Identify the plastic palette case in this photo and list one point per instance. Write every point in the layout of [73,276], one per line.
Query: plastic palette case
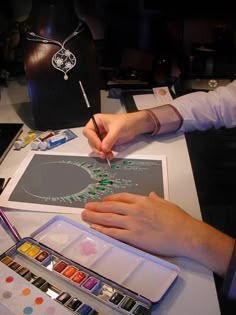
[87,272]
[136,270]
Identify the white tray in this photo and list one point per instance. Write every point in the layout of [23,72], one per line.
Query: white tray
[143,273]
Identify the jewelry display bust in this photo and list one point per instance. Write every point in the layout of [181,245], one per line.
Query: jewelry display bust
[60,52]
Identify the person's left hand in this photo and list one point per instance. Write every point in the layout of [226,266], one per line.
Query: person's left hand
[147,222]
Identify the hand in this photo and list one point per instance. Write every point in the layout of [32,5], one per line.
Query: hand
[147,222]
[115,129]
[160,227]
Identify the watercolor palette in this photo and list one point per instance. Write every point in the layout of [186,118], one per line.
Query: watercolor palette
[78,289]
[115,260]
[78,270]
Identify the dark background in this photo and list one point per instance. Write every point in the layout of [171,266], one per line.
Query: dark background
[139,39]
[157,44]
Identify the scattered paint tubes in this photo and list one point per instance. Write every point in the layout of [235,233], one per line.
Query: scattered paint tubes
[61,138]
[23,141]
[37,143]
[45,135]
[38,139]
[52,140]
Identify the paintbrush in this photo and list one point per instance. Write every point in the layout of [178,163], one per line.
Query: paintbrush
[92,116]
[10,227]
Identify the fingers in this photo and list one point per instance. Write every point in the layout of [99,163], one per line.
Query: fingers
[112,211]
[100,148]
[96,150]
[121,204]
[109,155]
[109,141]
[154,196]
[119,234]
[107,207]
[93,140]
[104,219]
[124,198]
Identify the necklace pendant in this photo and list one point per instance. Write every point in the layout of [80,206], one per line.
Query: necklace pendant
[64,60]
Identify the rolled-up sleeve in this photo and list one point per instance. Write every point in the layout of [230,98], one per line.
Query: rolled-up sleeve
[204,110]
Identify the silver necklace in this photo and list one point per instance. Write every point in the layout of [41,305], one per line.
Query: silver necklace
[63,60]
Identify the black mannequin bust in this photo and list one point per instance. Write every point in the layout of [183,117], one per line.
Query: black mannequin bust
[56,59]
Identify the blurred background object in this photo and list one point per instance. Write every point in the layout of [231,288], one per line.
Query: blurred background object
[13,26]
[60,52]
[182,43]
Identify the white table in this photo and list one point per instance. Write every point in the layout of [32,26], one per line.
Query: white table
[194,290]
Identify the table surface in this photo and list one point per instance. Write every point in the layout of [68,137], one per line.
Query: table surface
[194,290]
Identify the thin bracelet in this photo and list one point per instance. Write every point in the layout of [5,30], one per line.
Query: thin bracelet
[156,122]
[230,277]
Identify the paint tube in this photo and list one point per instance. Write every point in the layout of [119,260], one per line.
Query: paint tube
[23,141]
[57,140]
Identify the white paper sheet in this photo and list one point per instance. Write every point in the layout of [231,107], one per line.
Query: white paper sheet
[160,96]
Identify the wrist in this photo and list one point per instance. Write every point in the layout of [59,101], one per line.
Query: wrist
[142,122]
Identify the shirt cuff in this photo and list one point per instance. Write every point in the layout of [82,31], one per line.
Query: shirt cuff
[166,119]
[229,285]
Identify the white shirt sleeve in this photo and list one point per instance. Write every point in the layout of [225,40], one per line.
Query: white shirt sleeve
[204,110]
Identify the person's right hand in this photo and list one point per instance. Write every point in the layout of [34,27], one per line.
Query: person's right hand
[115,129]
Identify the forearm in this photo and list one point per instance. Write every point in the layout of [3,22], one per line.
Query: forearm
[211,247]
[217,251]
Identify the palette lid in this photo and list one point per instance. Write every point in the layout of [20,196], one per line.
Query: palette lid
[143,273]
